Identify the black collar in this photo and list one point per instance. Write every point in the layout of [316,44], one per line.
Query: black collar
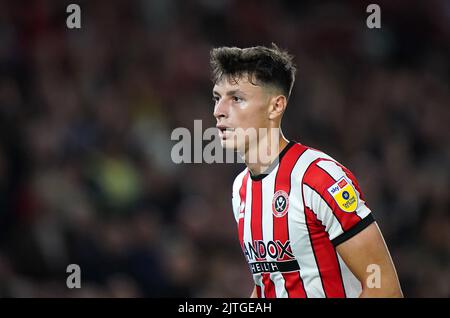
[273,164]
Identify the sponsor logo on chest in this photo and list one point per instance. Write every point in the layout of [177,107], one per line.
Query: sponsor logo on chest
[274,249]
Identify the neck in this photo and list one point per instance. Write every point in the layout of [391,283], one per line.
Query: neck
[261,154]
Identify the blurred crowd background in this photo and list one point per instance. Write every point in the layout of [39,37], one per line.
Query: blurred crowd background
[86,117]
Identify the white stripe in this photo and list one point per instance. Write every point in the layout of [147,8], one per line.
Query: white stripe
[332,169]
[336,172]
[248,214]
[267,216]
[298,232]
[278,280]
[268,187]
[322,211]
[248,231]
[236,198]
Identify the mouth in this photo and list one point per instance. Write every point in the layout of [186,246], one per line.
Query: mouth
[224,130]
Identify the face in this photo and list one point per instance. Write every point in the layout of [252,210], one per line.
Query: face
[239,107]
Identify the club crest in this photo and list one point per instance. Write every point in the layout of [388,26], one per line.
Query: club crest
[280,203]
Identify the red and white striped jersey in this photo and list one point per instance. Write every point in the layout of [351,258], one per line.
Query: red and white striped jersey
[291,219]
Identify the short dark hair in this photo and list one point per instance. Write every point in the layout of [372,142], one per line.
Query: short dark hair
[270,66]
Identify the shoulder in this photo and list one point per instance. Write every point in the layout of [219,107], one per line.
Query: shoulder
[325,174]
[315,167]
[307,159]
[239,180]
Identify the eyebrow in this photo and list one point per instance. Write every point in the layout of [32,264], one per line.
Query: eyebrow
[231,93]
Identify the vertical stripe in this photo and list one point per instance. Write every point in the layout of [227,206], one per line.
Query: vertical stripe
[294,284]
[258,291]
[256,222]
[248,233]
[268,184]
[269,286]
[298,231]
[241,209]
[279,282]
[321,245]
[325,255]
[292,281]
[257,235]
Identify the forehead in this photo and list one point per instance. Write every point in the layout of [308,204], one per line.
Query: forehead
[227,83]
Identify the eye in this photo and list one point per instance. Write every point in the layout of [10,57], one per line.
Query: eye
[215,99]
[237,99]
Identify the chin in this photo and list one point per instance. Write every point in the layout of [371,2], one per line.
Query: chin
[229,144]
[233,144]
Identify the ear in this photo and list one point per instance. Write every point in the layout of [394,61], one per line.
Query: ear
[277,106]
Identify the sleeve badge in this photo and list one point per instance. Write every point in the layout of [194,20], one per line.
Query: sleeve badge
[344,194]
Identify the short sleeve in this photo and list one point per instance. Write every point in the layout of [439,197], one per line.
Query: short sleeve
[332,193]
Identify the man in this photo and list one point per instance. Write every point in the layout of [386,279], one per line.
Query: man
[303,224]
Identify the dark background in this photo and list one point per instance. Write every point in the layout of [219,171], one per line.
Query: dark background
[86,117]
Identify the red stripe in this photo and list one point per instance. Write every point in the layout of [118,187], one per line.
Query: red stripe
[283,182]
[256,227]
[294,285]
[269,286]
[243,196]
[319,180]
[256,221]
[350,175]
[258,291]
[325,255]
[293,282]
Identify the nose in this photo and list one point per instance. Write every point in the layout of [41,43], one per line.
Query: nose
[220,109]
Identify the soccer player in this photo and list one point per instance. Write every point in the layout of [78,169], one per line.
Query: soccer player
[304,226]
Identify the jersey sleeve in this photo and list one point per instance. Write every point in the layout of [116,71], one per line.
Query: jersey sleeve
[332,193]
